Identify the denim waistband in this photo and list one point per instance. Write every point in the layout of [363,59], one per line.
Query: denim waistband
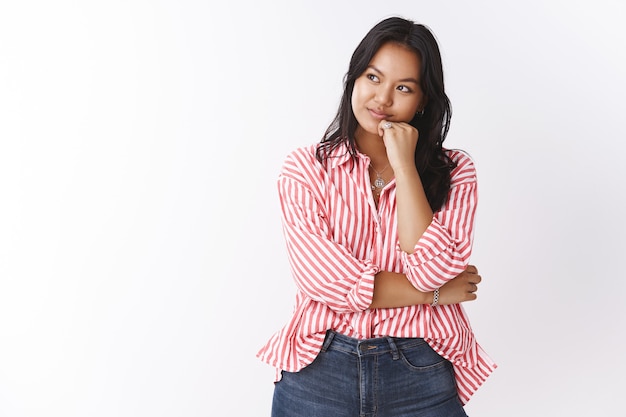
[363,347]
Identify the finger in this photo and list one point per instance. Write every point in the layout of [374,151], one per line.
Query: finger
[384,125]
[471,269]
[475,279]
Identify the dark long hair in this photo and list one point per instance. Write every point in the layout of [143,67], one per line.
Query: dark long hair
[433,165]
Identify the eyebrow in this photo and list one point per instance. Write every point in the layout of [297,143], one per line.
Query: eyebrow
[404,80]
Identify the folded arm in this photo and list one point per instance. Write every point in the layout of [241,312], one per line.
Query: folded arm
[395,290]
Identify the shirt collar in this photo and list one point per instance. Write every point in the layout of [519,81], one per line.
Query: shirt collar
[341,155]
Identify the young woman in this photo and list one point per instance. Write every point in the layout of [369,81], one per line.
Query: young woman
[378,220]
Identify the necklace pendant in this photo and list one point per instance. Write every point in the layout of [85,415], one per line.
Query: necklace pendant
[379,182]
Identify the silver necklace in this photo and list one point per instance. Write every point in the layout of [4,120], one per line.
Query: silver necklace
[379,182]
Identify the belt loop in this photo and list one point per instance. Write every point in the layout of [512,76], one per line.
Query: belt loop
[329,339]
[394,349]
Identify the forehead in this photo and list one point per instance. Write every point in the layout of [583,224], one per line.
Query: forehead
[396,59]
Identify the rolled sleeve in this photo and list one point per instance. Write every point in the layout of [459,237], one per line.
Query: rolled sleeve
[323,270]
[444,250]
[360,297]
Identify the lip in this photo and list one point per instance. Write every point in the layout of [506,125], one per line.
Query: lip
[377,115]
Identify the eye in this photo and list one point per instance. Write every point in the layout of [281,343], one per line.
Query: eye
[404,89]
[372,77]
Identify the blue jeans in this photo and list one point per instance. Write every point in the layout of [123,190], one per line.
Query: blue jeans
[383,377]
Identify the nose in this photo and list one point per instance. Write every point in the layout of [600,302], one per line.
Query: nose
[383,96]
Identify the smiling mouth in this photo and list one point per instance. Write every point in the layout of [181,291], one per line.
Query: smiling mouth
[378,115]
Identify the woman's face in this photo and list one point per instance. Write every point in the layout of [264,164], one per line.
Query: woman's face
[388,89]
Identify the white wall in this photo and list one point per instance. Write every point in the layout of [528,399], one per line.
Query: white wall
[141,258]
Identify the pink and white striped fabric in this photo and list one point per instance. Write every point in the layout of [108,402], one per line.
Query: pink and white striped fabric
[337,240]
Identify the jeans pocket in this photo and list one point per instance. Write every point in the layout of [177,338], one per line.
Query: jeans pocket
[422,358]
[423,377]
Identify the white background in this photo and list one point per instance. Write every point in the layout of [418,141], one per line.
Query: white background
[141,258]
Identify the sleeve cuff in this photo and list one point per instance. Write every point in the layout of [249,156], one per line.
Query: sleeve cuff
[360,298]
[435,240]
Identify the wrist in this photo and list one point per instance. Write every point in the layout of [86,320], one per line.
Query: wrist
[405,172]
[435,299]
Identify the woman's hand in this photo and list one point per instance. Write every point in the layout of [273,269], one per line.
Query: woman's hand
[400,141]
[462,288]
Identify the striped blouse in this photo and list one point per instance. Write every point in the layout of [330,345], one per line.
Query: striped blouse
[337,240]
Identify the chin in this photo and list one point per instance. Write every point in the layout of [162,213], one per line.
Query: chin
[368,127]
